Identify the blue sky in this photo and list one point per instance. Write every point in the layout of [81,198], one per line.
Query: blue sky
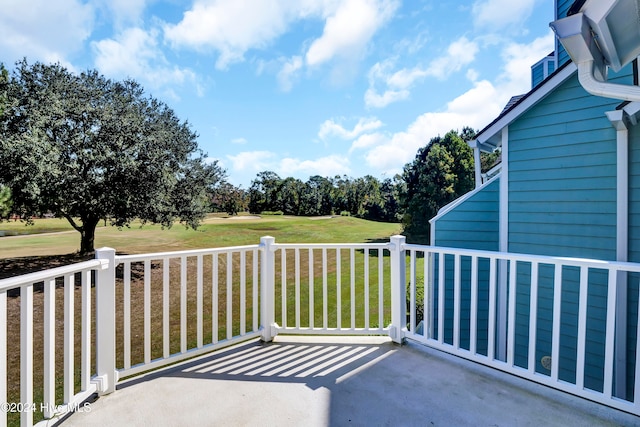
[299,87]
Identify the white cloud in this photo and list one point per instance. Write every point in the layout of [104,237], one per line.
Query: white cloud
[324,166]
[230,27]
[499,14]
[368,140]
[476,108]
[397,84]
[252,161]
[135,53]
[125,12]
[459,53]
[332,128]
[257,161]
[349,29]
[44,30]
[288,73]
[239,141]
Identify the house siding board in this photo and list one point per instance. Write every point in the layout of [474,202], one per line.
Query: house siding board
[537,74]
[473,224]
[562,202]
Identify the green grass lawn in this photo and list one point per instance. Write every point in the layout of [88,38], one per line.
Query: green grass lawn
[214,232]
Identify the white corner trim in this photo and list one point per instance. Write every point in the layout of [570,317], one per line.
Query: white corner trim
[504,192]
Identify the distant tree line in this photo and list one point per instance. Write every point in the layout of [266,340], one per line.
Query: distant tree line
[441,171]
[365,197]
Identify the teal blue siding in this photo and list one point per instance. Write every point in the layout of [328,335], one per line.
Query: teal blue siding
[552,67]
[537,74]
[562,202]
[562,7]
[562,176]
[473,224]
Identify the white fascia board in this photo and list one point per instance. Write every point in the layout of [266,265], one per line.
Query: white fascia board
[495,129]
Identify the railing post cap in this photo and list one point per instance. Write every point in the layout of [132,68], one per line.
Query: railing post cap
[105,252]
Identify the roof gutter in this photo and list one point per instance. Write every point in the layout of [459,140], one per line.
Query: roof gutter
[593,39]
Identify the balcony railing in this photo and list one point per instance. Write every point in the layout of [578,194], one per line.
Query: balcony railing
[567,323]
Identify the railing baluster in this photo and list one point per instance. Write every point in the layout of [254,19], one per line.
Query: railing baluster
[353,287]
[610,332]
[199,303]
[491,339]
[441,286]
[229,295]
[214,299]
[582,326]
[338,289]
[49,396]
[243,292]
[457,284]
[381,289]
[283,278]
[473,323]
[311,299]
[127,314]
[183,304]
[511,325]
[147,311]
[166,337]
[3,355]
[325,314]
[533,317]
[412,291]
[366,288]
[297,290]
[427,310]
[557,306]
[26,351]
[255,290]
[69,327]
[85,366]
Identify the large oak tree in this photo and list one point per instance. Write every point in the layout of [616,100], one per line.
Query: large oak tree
[88,149]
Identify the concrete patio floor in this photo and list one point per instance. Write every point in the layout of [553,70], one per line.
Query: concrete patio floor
[338,381]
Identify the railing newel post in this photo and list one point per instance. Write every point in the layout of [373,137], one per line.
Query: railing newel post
[106,375]
[267,279]
[398,325]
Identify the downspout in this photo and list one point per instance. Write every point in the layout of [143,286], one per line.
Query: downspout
[590,83]
[617,119]
[581,43]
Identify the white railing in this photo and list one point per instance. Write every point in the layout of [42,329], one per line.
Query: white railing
[555,321]
[178,284]
[351,295]
[77,386]
[561,322]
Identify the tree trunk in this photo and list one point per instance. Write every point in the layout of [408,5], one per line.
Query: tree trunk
[87,236]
